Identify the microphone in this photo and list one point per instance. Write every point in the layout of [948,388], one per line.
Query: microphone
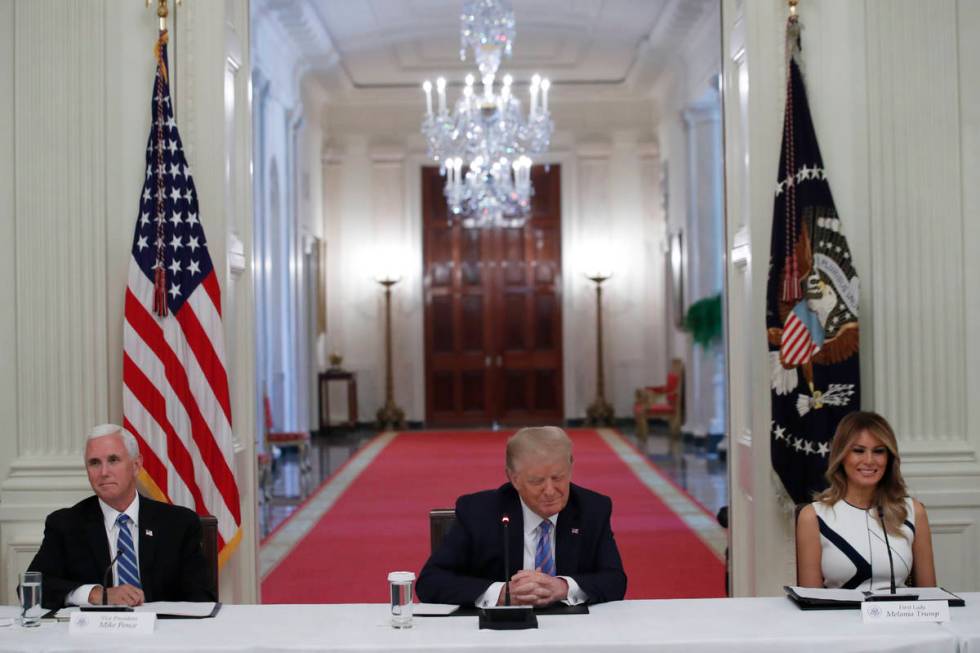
[506,616]
[105,607]
[893,595]
[106,576]
[505,520]
[891,563]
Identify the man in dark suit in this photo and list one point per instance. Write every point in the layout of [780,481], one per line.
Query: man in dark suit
[560,542]
[156,546]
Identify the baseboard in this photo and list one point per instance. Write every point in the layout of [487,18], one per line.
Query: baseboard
[580,422]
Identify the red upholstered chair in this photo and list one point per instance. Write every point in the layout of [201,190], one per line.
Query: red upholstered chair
[298,439]
[664,402]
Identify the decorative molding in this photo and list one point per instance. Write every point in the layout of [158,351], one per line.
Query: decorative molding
[183,89]
[288,39]
[17,555]
[913,455]
[916,193]
[948,498]
[386,154]
[593,150]
[950,526]
[60,214]
[649,150]
[237,263]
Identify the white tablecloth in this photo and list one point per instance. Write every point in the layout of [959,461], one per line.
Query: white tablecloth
[965,623]
[686,626]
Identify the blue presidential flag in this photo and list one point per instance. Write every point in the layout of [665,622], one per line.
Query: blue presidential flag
[811,303]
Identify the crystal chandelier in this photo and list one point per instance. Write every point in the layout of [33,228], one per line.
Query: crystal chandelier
[485,144]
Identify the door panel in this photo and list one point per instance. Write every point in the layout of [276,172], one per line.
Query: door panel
[493,313]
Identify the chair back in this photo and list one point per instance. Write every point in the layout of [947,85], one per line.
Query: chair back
[675,383]
[209,547]
[440,521]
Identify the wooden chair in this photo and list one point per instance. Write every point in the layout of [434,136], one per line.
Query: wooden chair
[263,461]
[209,547]
[662,401]
[300,440]
[440,521]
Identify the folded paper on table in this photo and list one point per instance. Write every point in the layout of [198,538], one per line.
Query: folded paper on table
[163,610]
[818,598]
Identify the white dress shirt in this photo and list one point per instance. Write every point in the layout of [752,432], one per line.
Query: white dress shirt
[79,596]
[532,523]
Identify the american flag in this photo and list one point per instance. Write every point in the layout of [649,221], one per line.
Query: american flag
[175,387]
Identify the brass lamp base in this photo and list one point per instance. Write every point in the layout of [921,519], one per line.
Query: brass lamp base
[390,416]
[599,412]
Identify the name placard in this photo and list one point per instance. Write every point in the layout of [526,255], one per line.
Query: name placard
[904,611]
[112,623]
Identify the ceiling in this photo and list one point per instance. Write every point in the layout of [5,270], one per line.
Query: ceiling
[369,46]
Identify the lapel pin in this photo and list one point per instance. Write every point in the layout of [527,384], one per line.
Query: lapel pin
[574,531]
[148,532]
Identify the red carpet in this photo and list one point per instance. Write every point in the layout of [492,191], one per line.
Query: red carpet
[381,523]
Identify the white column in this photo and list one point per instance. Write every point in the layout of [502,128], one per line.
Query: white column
[705,389]
[586,238]
[653,314]
[397,237]
[353,295]
[634,234]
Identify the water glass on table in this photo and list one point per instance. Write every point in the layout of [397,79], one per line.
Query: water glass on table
[400,587]
[29,591]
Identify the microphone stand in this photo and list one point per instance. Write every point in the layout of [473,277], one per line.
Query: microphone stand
[507,616]
[505,520]
[105,607]
[893,595]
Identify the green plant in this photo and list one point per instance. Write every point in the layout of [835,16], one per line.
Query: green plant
[703,320]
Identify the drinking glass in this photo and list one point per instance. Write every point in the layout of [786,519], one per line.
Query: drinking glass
[30,599]
[400,586]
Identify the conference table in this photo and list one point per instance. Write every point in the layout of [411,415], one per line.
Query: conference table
[688,626]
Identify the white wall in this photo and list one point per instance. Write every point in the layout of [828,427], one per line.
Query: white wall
[894,89]
[75,80]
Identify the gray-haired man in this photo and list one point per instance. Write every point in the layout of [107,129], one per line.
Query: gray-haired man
[156,547]
[561,546]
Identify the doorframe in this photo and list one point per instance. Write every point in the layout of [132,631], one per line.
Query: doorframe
[567,158]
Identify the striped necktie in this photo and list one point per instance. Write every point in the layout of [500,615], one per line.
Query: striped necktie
[127,567]
[544,559]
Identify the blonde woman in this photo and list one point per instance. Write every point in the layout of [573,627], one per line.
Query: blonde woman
[840,539]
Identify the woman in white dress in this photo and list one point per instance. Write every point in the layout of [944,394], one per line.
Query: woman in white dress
[840,542]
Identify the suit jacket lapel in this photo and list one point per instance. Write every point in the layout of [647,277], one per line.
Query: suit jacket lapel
[97,539]
[147,546]
[567,538]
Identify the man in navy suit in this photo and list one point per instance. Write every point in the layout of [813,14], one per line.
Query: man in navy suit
[560,542]
[159,553]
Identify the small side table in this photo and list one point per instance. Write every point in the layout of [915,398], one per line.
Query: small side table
[337,374]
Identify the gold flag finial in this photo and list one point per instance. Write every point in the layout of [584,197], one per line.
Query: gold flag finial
[162,11]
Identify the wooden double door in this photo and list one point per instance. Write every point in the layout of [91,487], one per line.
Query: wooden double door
[493,336]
